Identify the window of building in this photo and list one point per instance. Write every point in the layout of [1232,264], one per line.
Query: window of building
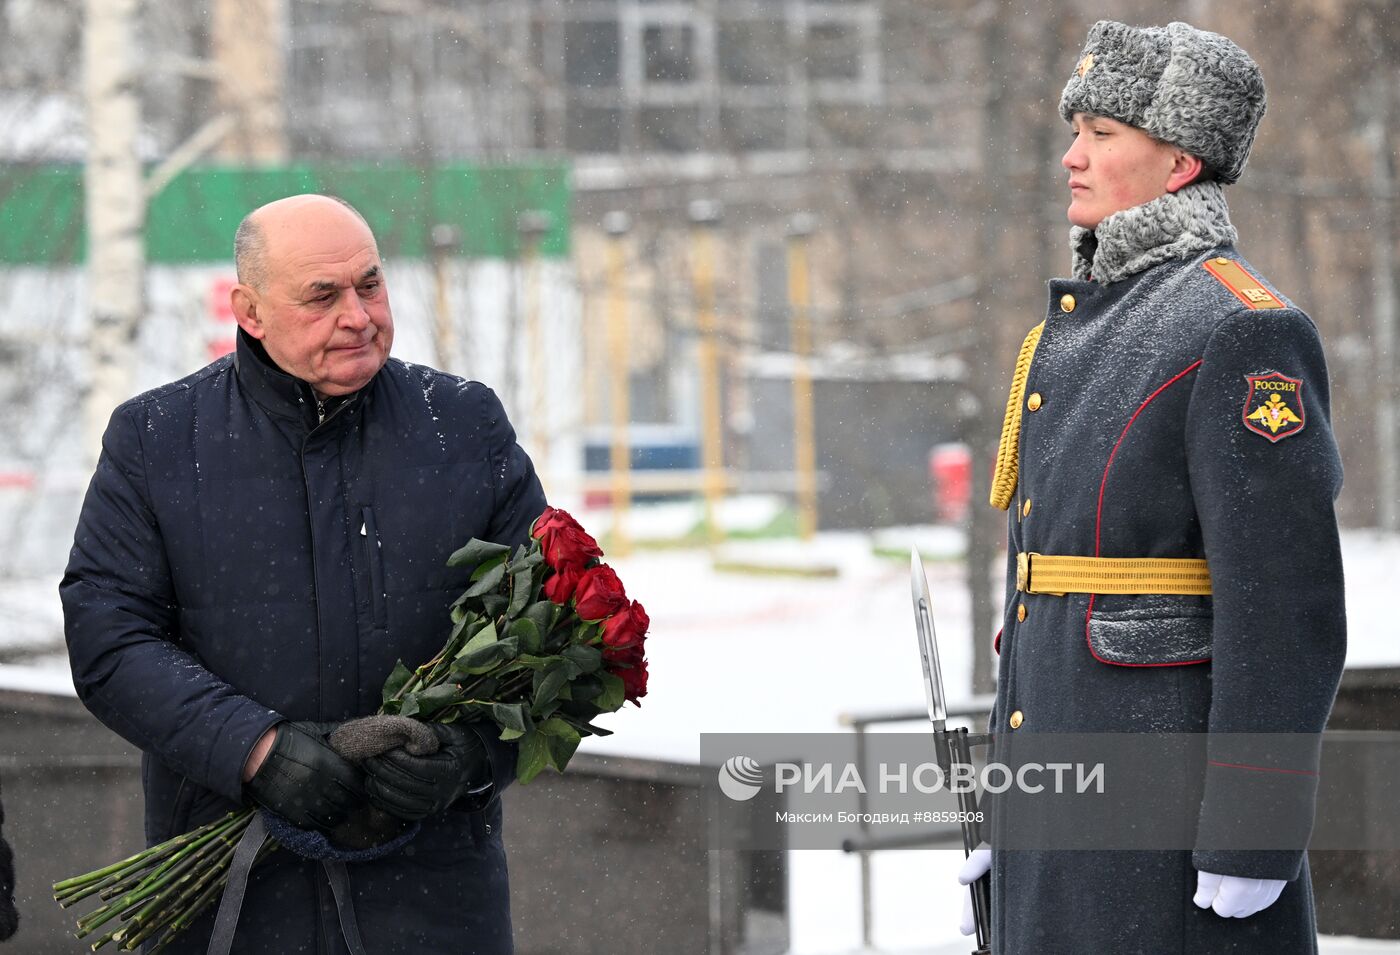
[668,53]
[592,54]
[752,52]
[833,51]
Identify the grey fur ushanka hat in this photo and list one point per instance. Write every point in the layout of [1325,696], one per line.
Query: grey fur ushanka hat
[1184,86]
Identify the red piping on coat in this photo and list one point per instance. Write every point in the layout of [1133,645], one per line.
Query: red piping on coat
[1098,522]
[1262,769]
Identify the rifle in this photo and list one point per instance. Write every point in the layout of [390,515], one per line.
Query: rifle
[951,746]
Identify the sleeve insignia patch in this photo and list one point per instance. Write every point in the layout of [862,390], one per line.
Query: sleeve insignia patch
[1274,405]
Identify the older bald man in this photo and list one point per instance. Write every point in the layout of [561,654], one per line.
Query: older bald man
[261,541]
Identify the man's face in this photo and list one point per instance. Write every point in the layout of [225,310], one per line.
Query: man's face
[1113,166]
[323,315]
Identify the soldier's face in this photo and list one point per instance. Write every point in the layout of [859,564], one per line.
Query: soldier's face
[1113,166]
[323,315]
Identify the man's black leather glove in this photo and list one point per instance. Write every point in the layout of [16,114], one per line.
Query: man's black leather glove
[306,782]
[415,787]
[9,918]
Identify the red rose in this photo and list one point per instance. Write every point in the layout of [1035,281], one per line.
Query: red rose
[627,627]
[634,682]
[630,664]
[564,541]
[599,594]
[560,585]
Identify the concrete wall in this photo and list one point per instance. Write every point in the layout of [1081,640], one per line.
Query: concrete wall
[610,857]
[1355,891]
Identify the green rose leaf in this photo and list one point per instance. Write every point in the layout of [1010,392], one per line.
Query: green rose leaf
[522,592]
[475,553]
[585,688]
[543,614]
[509,734]
[487,657]
[484,637]
[410,705]
[614,693]
[587,659]
[561,750]
[489,580]
[534,757]
[511,716]
[548,683]
[534,662]
[465,622]
[397,678]
[494,605]
[560,728]
[435,698]
[527,633]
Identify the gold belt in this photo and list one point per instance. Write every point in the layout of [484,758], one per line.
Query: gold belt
[1050,574]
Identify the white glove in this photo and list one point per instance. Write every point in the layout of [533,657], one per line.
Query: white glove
[1234,897]
[973,868]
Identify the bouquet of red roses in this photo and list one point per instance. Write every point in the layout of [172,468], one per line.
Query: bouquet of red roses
[542,642]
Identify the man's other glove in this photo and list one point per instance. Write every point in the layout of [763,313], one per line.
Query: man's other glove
[304,781]
[1234,897]
[976,865]
[415,787]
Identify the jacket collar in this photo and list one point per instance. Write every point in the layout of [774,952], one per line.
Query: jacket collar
[1178,225]
[279,393]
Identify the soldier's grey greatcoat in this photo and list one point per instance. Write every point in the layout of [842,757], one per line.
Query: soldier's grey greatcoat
[1141,445]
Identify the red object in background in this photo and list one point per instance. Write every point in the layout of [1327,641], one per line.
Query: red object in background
[220,310]
[218,348]
[220,303]
[950,472]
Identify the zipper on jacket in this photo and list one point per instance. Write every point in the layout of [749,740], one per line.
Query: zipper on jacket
[374,555]
[170,830]
[315,584]
[311,537]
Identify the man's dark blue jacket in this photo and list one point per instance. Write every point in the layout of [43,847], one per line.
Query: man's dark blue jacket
[9,918]
[239,561]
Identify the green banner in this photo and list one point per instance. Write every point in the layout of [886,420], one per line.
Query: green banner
[194,218]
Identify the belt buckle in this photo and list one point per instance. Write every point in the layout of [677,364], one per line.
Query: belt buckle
[1023,572]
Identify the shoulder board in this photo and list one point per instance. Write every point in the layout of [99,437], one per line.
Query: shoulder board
[1246,287]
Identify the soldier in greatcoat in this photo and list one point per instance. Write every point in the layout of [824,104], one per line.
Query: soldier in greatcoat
[1170,472]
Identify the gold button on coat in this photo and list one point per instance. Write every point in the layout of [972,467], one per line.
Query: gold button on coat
[1066,303]
[1026,508]
[1021,613]
[1016,720]
[1033,402]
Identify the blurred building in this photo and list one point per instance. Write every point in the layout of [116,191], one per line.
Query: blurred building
[923,136]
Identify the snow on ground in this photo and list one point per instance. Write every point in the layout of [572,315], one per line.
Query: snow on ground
[767,653]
